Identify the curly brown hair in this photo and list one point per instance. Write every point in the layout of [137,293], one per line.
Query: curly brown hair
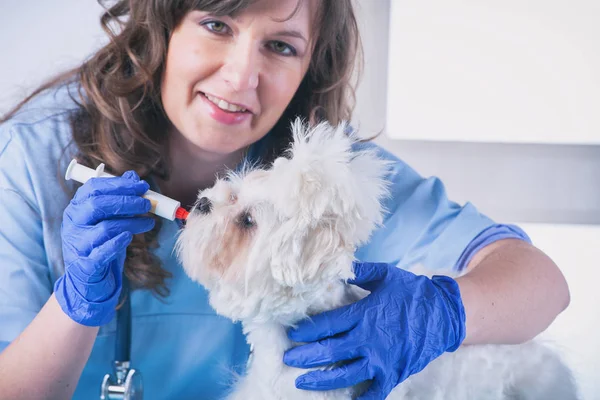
[121,121]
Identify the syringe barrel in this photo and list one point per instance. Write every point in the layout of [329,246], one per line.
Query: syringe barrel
[162,206]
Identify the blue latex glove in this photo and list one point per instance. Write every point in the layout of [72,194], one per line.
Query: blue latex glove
[98,225]
[401,326]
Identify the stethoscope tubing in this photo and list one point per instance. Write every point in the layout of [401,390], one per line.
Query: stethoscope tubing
[123,334]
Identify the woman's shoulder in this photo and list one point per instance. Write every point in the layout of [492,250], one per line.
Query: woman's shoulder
[45,117]
[36,144]
[40,129]
[54,101]
[397,168]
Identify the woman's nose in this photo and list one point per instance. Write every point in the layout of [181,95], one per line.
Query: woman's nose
[242,67]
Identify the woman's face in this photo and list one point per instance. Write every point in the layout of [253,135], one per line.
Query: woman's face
[228,80]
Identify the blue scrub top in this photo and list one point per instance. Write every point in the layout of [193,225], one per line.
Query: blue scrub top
[182,348]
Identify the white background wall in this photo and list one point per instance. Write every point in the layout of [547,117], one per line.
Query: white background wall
[510,182]
[495,71]
[41,38]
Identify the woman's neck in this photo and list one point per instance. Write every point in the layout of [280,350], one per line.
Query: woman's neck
[193,169]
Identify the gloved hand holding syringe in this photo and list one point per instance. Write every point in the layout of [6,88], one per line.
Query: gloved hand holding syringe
[162,206]
[98,225]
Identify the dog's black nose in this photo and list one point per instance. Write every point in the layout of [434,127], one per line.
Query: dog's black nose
[204,205]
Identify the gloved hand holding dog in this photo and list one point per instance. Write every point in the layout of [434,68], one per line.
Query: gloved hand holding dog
[98,225]
[401,326]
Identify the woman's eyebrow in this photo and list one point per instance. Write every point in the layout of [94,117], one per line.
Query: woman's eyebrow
[292,33]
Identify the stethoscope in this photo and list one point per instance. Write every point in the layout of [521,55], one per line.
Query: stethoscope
[124,383]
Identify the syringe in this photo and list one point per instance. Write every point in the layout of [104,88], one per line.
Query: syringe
[162,206]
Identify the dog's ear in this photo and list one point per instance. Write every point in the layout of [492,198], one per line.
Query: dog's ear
[329,175]
[319,253]
[329,181]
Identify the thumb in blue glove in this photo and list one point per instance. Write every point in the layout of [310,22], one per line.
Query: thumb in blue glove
[401,326]
[98,225]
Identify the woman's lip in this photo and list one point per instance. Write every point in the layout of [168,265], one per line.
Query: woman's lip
[248,109]
[222,116]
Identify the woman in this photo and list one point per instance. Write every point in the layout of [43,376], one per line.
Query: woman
[184,90]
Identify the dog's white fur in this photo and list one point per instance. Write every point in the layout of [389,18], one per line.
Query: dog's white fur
[277,247]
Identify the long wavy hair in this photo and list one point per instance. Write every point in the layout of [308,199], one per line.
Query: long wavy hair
[121,121]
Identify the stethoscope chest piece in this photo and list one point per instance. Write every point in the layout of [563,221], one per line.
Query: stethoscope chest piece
[126,386]
[126,382]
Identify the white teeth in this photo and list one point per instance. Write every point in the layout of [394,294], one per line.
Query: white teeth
[223,105]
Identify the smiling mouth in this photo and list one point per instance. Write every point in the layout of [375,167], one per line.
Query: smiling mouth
[223,105]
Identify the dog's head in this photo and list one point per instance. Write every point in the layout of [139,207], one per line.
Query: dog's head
[261,240]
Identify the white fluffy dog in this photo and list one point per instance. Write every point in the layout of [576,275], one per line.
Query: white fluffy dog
[275,246]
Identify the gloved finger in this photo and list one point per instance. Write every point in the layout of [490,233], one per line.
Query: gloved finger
[120,185]
[81,242]
[94,267]
[131,174]
[341,377]
[113,227]
[368,274]
[97,208]
[322,352]
[375,392]
[326,324]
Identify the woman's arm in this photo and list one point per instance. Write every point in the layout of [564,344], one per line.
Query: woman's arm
[511,292]
[46,360]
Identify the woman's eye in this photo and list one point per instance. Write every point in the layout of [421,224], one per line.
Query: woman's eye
[216,26]
[282,48]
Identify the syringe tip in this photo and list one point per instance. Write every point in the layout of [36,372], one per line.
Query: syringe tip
[181,213]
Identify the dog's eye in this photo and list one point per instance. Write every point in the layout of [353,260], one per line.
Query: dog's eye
[246,221]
